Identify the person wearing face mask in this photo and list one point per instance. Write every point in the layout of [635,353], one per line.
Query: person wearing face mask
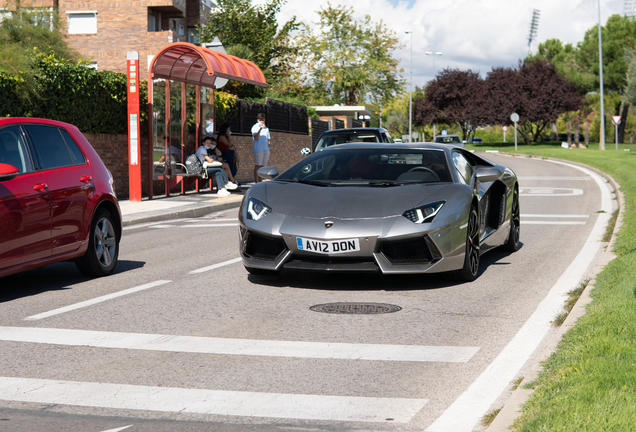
[223,184]
[227,149]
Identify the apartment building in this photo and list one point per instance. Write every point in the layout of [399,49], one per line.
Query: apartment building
[103,31]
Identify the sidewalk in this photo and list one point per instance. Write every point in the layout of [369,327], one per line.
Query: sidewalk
[190,205]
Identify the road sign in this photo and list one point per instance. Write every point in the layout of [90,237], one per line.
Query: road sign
[444,132]
[415,135]
[616,120]
[514,117]
[505,128]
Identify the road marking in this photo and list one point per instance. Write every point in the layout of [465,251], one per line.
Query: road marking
[554,216]
[463,414]
[527,222]
[554,178]
[163,226]
[216,402]
[211,220]
[118,429]
[215,266]
[95,301]
[210,225]
[249,347]
[551,192]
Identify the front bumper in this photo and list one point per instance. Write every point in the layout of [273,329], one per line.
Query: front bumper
[413,253]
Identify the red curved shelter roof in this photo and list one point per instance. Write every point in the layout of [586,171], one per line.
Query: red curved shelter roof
[185,62]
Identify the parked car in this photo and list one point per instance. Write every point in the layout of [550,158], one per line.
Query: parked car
[57,201]
[345,136]
[450,139]
[476,140]
[563,137]
[378,208]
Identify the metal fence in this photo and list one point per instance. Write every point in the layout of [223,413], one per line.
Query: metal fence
[356,123]
[281,117]
[317,128]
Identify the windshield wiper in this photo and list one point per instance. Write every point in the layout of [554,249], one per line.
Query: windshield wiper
[309,182]
[385,183]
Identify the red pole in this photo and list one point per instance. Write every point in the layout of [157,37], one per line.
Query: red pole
[168,134]
[134,153]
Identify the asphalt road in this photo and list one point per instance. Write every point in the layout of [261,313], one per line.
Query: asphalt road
[181,338]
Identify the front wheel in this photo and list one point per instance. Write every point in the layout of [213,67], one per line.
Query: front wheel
[515,225]
[100,258]
[469,272]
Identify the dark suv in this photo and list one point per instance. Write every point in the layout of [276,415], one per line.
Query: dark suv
[344,136]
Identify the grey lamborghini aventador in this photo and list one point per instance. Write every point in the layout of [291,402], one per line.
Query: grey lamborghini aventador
[389,208]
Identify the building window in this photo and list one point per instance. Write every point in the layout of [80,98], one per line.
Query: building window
[154,20]
[181,30]
[82,22]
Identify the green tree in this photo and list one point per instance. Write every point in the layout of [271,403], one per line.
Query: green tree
[347,60]
[255,28]
[25,33]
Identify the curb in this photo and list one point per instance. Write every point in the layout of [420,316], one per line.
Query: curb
[512,408]
[193,211]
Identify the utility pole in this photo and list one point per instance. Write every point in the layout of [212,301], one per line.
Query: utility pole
[600,65]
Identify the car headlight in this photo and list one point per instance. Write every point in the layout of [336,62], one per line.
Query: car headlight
[424,214]
[257,209]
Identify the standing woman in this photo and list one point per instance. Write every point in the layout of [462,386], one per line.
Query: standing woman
[227,149]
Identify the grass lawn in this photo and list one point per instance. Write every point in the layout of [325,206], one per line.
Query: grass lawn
[589,383]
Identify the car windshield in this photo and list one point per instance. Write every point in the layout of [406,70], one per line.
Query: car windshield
[370,168]
[346,137]
[448,139]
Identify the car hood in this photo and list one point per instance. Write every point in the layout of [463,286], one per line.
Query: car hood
[308,201]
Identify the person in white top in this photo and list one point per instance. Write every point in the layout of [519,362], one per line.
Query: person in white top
[262,141]
[223,184]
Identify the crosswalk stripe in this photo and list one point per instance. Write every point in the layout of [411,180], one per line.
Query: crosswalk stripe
[527,222]
[216,402]
[554,216]
[249,347]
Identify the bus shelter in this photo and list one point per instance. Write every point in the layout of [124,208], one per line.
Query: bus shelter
[181,82]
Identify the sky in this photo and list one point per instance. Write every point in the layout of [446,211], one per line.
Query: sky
[470,34]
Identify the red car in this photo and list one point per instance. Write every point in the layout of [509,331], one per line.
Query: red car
[57,201]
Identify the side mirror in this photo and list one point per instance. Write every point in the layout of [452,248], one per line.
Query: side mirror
[306,151]
[8,172]
[267,173]
[488,174]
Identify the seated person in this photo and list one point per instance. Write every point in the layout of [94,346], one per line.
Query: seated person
[222,182]
[214,151]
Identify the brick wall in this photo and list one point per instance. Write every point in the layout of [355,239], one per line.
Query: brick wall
[113,150]
[123,27]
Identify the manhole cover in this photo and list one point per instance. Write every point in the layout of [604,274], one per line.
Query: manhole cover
[356,308]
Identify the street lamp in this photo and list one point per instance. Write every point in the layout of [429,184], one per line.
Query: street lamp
[433,54]
[411,90]
[600,65]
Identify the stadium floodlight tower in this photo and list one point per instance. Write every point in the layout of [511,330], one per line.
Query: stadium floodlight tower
[534,27]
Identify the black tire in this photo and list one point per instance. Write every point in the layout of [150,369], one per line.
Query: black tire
[469,272]
[515,225]
[101,256]
[261,272]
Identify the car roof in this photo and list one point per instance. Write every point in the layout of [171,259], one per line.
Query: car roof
[394,146]
[354,130]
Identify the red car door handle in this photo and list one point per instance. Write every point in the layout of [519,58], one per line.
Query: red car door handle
[41,187]
[86,179]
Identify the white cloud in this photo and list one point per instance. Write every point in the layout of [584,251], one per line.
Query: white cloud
[471,34]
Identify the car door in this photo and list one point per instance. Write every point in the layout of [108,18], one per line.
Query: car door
[25,204]
[69,178]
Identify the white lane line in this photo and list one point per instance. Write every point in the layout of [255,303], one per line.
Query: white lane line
[95,301]
[554,216]
[207,220]
[163,226]
[527,222]
[215,266]
[249,347]
[118,429]
[550,192]
[216,402]
[210,225]
[553,178]
[473,404]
